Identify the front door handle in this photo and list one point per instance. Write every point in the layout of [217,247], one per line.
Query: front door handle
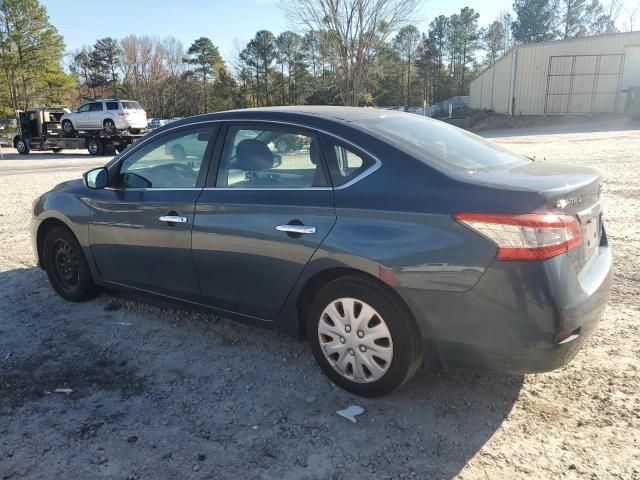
[297,229]
[173,219]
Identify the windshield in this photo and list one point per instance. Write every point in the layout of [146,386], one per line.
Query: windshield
[131,106]
[435,142]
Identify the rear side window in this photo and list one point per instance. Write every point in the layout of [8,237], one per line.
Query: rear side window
[435,142]
[95,107]
[345,164]
[131,106]
[112,105]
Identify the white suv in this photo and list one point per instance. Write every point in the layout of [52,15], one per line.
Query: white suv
[109,115]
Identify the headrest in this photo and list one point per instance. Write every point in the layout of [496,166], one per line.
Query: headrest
[253,155]
[314,152]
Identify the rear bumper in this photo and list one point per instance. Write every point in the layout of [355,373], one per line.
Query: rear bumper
[511,319]
[123,123]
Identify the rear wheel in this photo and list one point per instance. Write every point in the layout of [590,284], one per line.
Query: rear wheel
[67,127]
[109,127]
[363,337]
[56,150]
[67,267]
[95,146]
[22,146]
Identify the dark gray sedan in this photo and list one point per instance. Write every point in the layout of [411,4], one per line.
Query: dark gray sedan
[386,239]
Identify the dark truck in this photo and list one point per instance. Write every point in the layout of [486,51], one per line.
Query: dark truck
[40,129]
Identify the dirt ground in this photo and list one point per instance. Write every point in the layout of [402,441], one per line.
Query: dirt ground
[160,393]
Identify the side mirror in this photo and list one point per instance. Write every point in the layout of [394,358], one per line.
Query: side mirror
[96,178]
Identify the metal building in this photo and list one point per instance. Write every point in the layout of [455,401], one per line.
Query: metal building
[581,75]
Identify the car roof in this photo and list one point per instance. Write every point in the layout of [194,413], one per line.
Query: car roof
[345,114]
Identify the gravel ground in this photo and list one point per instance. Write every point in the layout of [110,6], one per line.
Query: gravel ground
[160,393]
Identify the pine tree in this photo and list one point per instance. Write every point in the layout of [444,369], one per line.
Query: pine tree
[205,56]
[30,54]
[534,21]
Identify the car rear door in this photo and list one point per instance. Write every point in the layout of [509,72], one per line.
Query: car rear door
[261,217]
[140,229]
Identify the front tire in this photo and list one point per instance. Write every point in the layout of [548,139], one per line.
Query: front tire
[67,267]
[363,337]
[22,146]
[56,150]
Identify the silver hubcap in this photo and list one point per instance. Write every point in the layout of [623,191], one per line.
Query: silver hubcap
[355,340]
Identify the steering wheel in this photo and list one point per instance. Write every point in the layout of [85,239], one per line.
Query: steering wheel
[183,169]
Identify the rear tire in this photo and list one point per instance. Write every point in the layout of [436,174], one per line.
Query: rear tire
[67,267]
[56,150]
[67,127]
[390,330]
[109,127]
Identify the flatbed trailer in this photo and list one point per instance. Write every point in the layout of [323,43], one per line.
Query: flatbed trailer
[40,129]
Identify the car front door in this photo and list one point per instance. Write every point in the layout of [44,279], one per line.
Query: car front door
[261,218]
[79,118]
[140,229]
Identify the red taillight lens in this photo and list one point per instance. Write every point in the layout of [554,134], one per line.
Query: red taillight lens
[124,113]
[530,236]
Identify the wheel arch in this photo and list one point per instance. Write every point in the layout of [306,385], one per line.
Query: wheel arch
[318,280]
[44,228]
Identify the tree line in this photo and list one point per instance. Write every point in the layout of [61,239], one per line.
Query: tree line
[350,52]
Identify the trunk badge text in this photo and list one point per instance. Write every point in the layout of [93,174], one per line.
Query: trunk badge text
[565,202]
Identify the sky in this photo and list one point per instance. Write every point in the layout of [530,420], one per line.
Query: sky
[228,23]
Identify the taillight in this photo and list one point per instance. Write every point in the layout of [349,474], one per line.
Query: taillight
[124,113]
[529,236]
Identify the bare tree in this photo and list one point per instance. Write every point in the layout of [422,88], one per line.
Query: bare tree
[355,31]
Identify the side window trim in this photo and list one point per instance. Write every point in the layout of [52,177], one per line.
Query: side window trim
[216,160]
[214,126]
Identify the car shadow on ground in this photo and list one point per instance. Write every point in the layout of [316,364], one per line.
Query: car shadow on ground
[255,390]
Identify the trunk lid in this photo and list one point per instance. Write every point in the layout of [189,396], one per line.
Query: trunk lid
[568,189]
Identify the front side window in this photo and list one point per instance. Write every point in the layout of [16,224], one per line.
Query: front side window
[271,158]
[95,107]
[84,108]
[171,161]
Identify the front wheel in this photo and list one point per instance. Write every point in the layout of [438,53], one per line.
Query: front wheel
[67,267]
[22,146]
[56,150]
[363,337]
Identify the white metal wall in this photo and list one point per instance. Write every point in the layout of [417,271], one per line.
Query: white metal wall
[519,81]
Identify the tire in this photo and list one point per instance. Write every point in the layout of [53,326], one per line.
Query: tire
[109,127]
[95,146]
[282,146]
[178,153]
[67,267]
[67,127]
[56,150]
[22,146]
[403,346]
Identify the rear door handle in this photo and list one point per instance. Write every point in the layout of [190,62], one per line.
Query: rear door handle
[299,229]
[173,219]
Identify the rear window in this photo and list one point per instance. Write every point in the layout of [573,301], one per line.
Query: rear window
[435,142]
[131,106]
